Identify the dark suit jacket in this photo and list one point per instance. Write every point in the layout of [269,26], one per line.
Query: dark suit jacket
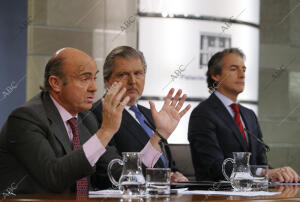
[131,137]
[214,135]
[35,147]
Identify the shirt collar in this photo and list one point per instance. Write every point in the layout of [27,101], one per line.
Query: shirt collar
[127,107]
[65,115]
[225,100]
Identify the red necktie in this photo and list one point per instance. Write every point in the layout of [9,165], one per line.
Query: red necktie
[82,184]
[237,119]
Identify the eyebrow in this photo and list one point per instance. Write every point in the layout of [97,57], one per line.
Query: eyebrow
[237,66]
[88,73]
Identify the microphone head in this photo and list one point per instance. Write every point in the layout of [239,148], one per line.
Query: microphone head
[267,148]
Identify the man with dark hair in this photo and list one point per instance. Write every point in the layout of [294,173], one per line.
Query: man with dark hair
[53,68]
[51,144]
[219,126]
[126,65]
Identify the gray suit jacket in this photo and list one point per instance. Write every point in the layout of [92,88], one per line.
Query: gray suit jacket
[35,148]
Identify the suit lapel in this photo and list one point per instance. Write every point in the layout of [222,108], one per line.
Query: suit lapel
[223,113]
[84,133]
[135,128]
[57,126]
[148,115]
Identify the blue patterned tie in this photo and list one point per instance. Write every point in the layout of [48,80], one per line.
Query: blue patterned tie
[141,118]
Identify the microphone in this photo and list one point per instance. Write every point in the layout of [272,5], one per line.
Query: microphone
[150,124]
[162,143]
[154,130]
[266,147]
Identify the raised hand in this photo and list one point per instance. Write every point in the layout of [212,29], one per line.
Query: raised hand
[113,105]
[167,119]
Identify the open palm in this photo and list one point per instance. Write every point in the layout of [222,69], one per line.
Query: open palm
[167,119]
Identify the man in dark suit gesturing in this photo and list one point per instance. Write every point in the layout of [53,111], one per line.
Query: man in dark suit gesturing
[44,145]
[219,126]
[52,144]
[127,65]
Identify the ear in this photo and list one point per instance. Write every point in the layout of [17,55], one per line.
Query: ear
[107,83]
[56,83]
[216,77]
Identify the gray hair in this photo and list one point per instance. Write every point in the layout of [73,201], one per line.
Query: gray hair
[215,64]
[124,52]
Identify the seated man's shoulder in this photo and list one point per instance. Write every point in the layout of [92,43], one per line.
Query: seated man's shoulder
[29,116]
[32,109]
[203,107]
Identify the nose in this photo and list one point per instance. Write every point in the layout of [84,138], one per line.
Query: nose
[132,79]
[241,73]
[93,86]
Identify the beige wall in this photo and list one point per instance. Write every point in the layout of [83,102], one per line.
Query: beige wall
[279,90]
[93,26]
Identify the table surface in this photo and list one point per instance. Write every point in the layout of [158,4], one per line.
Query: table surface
[289,193]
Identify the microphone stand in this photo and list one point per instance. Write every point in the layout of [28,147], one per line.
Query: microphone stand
[162,143]
[265,146]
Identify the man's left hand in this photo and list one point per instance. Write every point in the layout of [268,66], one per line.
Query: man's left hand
[167,119]
[178,177]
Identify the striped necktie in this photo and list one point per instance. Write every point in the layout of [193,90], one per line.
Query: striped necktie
[82,184]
